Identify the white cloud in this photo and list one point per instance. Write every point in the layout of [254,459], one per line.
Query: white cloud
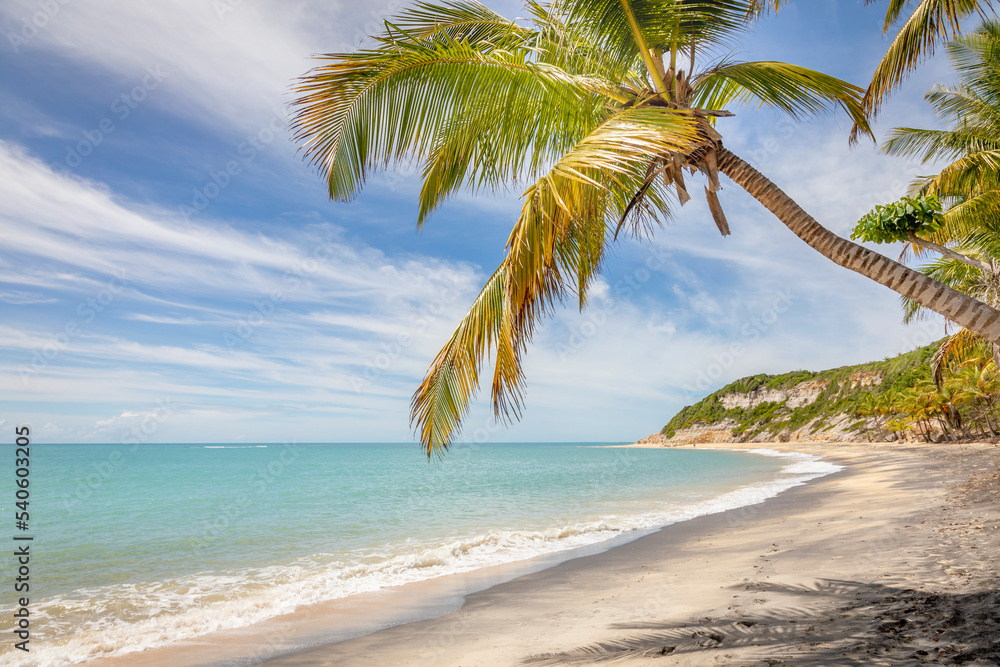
[69,221]
[21,297]
[231,69]
[165,319]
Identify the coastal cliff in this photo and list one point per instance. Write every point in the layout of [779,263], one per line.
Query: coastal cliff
[796,406]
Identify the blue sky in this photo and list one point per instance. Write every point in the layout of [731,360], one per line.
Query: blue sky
[170,271]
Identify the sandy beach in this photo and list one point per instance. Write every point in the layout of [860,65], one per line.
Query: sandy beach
[891,561]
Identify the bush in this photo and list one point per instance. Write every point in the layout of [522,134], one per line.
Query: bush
[896,221]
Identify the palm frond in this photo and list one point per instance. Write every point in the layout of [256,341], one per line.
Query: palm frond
[502,141]
[662,27]
[963,105]
[567,44]
[459,20]
[892,12]
[969,217]
[372,109]
[969,175]
[442,399]
[974,57]
[557,242]
[930,22]
[930,145]
[956,349]
[790,88]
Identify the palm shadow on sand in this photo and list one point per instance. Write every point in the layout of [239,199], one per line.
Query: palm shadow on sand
[834,623]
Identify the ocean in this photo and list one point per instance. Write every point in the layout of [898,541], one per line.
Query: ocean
[140,546]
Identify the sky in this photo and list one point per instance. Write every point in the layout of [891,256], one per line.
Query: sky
[171,270]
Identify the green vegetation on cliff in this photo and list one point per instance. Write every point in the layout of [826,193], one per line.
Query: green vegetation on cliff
[840,392]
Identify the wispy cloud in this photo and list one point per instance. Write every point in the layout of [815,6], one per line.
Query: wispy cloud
[266,302]
[21,298]
[230,69]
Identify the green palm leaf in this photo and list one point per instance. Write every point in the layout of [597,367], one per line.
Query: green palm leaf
[930,22]
[376,108]
[790,88]
[974,221]
[558,239]
[969,175]
[930,145]
[459,20]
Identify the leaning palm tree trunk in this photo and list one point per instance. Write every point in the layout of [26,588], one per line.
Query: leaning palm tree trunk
[957,307]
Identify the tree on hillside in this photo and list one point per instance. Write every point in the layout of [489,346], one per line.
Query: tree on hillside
[976,385]
[871,407]
[599,106]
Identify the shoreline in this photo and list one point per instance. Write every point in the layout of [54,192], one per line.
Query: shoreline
[806,575]
[801,549]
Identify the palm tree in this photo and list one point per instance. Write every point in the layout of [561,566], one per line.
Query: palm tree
[936,402]
[951,417]
[971,109]
[911,406]
[869,406]
[897,411]
[976,383]
[599,106]
[888,402]
[910,409]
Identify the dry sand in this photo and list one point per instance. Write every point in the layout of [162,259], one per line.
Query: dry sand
[892,561]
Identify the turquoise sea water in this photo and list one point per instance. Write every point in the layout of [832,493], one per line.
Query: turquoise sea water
[136,547]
